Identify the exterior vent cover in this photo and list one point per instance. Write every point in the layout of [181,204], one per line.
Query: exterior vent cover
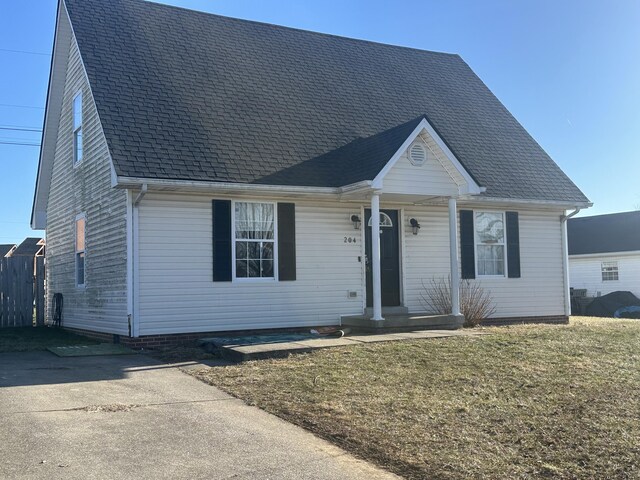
[417,154]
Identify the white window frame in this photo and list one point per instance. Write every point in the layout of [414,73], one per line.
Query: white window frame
[385,221]
[611,264]
[80,216]
[476,242]
[234,240]
[76,161]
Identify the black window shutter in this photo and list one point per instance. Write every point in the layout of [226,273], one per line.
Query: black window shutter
[467,247]
[286,241]
[513,245]
[221,240]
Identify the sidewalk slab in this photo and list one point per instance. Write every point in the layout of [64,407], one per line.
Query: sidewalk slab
[257,347]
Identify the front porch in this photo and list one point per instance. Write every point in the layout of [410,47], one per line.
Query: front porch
[423,171]
[385,305]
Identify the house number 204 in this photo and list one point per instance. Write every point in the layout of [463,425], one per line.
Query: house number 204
[349,239]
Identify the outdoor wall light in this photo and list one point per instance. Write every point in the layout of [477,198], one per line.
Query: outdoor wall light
[415,226]
[356,222]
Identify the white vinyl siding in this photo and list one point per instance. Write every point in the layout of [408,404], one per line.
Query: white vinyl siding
[586,272]
[176,289]
[177,294]
[430,178]
[102,304]
[539,291]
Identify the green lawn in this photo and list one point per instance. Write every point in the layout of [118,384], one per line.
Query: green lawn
[553,401]
[25,339]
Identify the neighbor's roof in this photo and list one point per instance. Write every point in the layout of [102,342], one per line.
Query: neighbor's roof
[616,232]
[6,248]
[29,247]
[193,96]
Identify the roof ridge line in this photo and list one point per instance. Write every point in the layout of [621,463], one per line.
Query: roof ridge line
[297,29]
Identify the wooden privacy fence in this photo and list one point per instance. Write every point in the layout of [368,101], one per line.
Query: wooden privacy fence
[21,291]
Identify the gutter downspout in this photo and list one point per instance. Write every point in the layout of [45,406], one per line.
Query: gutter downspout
[565,259]
[141,194]
[132,259]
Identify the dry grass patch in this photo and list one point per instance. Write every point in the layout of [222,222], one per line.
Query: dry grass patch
[528,401]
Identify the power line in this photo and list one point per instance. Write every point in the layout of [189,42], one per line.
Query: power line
[18,126]
[21,129]
[23,51]
[20,144]
[19,106]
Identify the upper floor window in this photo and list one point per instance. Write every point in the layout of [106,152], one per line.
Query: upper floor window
[609,271]
[77,129]
[254,240]
[490,243]
[80,249]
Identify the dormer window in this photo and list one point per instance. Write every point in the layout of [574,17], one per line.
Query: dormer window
[77,129]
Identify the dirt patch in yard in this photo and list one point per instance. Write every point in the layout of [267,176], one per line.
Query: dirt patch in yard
[525,402]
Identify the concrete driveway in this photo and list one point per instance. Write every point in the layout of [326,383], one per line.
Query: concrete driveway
[132,417]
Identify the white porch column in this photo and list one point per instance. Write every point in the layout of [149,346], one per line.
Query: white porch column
[375,257]
[453,257]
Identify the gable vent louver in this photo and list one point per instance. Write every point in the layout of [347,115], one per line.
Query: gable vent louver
[417,154]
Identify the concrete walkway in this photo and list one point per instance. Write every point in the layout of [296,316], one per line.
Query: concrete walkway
[125,417]
[256,347]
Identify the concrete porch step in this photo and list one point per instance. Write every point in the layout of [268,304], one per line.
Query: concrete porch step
[257,347]
[403,322]
[388,311]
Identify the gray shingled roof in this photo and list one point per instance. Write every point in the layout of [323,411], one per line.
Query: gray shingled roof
[28,248]
[5,248]
[194,96]
[616,232]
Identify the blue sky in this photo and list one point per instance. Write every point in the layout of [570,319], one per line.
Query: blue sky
[568,70]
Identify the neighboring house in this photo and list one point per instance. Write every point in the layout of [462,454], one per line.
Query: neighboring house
[200,173]
[604,253]
[7,249]
[30,247]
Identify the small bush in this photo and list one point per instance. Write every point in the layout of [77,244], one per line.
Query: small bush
[476,303]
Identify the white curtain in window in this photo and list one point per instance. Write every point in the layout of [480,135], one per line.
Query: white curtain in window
[255,232]
[490,259]
[490,246]
[254,220]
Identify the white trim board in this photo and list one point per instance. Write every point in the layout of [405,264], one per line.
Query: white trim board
[631,253]
[472,187]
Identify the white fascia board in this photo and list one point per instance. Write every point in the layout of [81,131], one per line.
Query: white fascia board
[472,187]
[224,187]
[632,253]
[53,107]
[356,187]
[555,204]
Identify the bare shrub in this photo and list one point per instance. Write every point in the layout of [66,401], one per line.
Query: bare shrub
[476,303]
